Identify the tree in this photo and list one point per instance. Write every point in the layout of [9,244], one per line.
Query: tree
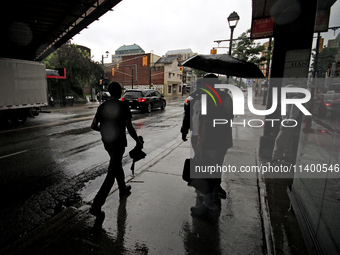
[198,73]
[80,69]
[325,57]
[247,50]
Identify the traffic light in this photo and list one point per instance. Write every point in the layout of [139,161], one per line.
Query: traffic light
[113,72]
[321,44]
[117,63]
[145,60]
[213,51]
[181,69]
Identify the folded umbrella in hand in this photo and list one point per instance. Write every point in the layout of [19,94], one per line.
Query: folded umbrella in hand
[136,154]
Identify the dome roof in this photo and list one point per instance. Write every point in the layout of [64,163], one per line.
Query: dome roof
[129,48]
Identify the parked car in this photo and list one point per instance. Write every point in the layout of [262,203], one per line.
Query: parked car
[326,105]
[146,99]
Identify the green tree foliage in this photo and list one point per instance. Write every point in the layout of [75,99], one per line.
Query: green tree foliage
[325,58]
[80,69]
[247,50]
[198,73]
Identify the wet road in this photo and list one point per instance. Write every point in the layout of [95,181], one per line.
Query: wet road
[49,159]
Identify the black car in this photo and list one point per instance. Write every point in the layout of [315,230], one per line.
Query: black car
[326,105]
[144,99]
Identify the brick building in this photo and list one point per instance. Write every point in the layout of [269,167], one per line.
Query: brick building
[133,68]
[147,71]
[136,71]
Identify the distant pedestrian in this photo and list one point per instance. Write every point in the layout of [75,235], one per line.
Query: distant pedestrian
[112,119]
[100,97]
[282,152]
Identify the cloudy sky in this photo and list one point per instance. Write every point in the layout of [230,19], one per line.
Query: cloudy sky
[158,26]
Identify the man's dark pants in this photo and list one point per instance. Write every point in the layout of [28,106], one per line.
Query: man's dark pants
[115,171]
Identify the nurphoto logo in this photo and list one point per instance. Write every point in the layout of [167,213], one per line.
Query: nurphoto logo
[238,104]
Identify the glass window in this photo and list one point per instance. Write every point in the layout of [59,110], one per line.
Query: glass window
[133,94]
[146,93]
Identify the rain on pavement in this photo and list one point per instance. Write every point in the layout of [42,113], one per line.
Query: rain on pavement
[67,169]
[49,159]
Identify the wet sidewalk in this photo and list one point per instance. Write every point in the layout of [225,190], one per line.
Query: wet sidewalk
[156,219]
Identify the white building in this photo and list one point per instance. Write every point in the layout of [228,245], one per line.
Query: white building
[183,53]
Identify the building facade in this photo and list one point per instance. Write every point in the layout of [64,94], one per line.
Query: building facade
[172,76]
[333,71]
[135,69]
[315,191]
[126,50]
[182,54]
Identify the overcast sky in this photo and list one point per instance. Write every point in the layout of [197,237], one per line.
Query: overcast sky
[158,26]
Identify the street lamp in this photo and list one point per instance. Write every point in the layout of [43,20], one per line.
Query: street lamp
[232,21]
[107,55]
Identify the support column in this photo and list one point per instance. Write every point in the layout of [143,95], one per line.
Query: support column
[293,37]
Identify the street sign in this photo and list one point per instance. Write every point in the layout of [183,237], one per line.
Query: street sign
[262,28]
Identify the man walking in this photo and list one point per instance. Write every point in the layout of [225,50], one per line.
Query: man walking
[111,120]
[210,144]
[282,152]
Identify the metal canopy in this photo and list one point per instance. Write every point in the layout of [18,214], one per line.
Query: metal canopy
[32,29]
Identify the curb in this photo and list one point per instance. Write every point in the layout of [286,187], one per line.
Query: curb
[264,210]
[44,231]
[129,178]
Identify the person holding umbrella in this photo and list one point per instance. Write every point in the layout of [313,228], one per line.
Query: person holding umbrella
[210,144]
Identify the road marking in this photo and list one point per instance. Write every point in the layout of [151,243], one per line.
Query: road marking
[47,124]
[13,154]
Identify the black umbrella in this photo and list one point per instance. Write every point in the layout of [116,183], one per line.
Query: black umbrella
[136,154]
[224,64]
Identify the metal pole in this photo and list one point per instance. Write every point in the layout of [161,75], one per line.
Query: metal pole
[231,39]
[266,87]
[315,74]
[103,75]
[150,77]
[150,65]
[230,45]
[132,77]
[103,66]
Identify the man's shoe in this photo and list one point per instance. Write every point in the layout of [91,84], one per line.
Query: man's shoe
[125,192]
[100,219]
[96,212]
[221,193]
[199,211]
